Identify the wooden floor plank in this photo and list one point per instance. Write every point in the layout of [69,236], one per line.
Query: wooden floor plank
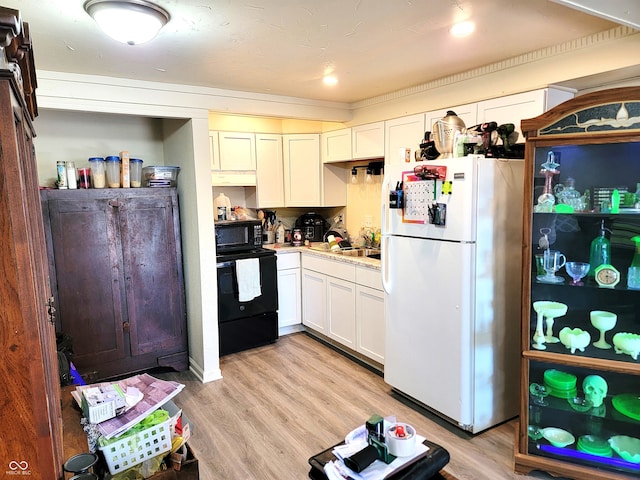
[280,404]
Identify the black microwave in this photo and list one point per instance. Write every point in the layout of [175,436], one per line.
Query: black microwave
[237,235]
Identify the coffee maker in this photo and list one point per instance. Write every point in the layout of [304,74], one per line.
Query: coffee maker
[313,226]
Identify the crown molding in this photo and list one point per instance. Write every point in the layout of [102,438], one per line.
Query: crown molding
[519,60]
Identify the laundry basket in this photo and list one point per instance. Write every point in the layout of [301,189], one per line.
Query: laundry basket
[129,450]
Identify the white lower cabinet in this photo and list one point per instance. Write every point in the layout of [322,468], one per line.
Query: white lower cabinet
[341,311]
[370,329]
[289,289]
[314,300]
[345,302]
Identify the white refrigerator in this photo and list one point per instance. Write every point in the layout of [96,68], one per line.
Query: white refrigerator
[452,290]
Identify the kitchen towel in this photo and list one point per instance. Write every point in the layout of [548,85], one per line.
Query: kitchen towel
[248,278]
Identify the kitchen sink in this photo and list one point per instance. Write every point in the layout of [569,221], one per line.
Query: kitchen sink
[362,252]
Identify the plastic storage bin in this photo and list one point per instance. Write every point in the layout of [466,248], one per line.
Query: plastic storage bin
[160,176]
[131,450]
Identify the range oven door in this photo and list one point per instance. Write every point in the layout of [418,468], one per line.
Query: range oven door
[244,325]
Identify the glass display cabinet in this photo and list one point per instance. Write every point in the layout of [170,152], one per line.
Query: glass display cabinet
[580,382]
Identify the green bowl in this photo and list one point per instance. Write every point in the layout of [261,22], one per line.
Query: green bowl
[560,392]
[627,447]
[594,445]
[559,380]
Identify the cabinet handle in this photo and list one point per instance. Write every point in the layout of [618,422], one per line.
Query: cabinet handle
[114,203]
[50,311]
[126,327]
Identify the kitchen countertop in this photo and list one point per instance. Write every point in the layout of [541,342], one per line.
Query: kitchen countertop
[316,250]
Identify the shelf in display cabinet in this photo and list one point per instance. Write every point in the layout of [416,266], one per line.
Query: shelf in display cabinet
[614,416]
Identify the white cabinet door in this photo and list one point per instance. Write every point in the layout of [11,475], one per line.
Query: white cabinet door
[400,134]
[370,322]
[214,151]
[341,310]
[336,146]
[237,151]
[270,171]
[367,141]
[467,113]
[314,300]
[289,297]
[302,179]
[515,108]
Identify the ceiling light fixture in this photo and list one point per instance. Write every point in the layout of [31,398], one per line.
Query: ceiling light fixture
[463,29]
[128,21]
[330,80]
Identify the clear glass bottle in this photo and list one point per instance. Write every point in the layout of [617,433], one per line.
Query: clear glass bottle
[600,251]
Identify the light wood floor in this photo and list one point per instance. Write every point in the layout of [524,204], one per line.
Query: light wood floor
[278,405]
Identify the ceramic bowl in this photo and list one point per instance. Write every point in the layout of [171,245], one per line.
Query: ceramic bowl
[558,437]
[627,447]
[628,343]
[574,338]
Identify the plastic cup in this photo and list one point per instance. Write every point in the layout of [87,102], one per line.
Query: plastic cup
[135,172]
[98,172]
[113,171]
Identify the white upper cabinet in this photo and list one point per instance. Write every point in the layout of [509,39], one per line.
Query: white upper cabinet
[367,141]
[515,108]
[270,171]
[223,174]
[467,113]
[336,146]
[302,175]
[237,151]
[400,134]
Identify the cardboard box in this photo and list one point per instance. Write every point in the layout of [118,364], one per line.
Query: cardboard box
[125,170]
[102,403]
[189,469]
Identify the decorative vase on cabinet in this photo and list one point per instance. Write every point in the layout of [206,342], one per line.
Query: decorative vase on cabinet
[116,272]
[587,424]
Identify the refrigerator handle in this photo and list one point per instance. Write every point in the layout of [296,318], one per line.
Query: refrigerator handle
[384,230]
[384,201]
[384,262]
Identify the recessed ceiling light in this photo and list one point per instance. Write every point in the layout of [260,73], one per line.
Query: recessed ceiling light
[128,21]
[463,29]
[330,80]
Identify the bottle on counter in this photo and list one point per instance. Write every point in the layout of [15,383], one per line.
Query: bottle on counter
[333,243]
[280,233]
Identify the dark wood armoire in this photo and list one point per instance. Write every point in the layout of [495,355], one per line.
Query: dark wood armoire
[30,414]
